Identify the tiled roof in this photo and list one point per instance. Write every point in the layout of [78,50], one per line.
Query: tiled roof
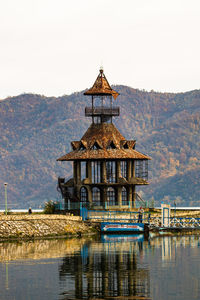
[101,87]
[103,154]
[103,141]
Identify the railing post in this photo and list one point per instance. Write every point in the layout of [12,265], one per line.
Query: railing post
[81,210]
[165,215]
[6,210]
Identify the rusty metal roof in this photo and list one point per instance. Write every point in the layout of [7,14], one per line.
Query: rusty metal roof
[103,141]
[101,87]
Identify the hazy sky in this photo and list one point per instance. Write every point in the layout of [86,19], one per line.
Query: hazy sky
[55,47]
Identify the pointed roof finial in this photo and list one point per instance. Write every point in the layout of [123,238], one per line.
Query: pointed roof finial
[101,86]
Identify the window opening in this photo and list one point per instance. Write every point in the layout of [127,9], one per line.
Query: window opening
[111,198]
[124,196]
[132,168]
[123,165]
[82,147]
[96,196]
[97,101]
[83,170]
[84,195]
[141,169]
[111,146]
[97,120]
[111,171]
[96,171]
[95,146]
[125,146]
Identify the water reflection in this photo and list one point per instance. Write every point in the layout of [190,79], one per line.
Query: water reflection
[40,249]
[121,267]
[106,269]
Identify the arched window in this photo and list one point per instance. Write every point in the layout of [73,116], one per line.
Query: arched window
[96,196]
[84,195]
[124,196]
[111,197]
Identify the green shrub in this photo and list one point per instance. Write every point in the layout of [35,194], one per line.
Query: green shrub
[49,207]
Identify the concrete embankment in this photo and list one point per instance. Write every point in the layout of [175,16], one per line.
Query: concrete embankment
[42,226]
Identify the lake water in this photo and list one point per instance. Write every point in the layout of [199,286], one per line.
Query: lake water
[107,267]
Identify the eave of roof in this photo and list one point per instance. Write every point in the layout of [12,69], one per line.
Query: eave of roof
[102,154]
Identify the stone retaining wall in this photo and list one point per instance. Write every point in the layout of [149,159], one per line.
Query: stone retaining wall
[38,226]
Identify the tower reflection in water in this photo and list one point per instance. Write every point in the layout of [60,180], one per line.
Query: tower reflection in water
[112,268]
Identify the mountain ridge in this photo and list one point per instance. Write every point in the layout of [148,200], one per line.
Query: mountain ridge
[36,130]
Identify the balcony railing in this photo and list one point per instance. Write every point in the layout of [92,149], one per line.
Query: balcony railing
[99,111]
[141,169]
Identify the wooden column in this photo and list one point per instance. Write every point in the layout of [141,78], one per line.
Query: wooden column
[103,172]
[89,176]
[75,172]
[129,169]
[92,109]
[89,170]
[104,196]
[118,173]
[133,196]
[119,189]
[89,194]
[119,196]
[78,170]
[130,196]
[133,168]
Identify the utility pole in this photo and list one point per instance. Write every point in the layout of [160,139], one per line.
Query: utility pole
[6,210]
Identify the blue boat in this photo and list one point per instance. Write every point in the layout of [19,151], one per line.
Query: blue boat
[115,238]
[119,227]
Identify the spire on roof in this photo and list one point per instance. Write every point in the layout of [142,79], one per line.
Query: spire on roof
[101,87]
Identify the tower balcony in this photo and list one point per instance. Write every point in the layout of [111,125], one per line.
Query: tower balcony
[99,111]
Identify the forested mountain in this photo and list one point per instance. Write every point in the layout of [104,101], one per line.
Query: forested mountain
[36,130]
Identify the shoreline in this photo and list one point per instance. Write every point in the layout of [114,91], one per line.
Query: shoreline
[26,227]
[18,227]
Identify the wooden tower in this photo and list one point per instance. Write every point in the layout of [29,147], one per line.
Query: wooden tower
[106,166]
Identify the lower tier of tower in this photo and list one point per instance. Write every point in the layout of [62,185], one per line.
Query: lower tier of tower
[99,196]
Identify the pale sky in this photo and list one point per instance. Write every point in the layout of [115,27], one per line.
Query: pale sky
[55,47]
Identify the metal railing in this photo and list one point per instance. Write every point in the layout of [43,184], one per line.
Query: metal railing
[98,111]
[118,216]
[182,222]
[176,222]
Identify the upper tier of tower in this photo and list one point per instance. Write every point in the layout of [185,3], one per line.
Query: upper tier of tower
[102,109]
